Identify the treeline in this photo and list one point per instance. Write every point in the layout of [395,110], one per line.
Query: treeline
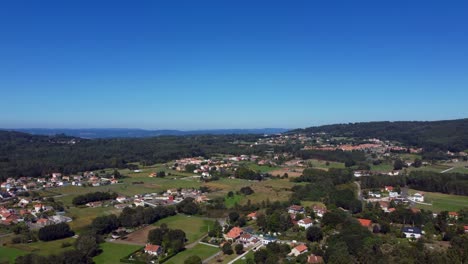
[93,197]
[451,183]
[336,176]
[54,232]
[23,154]
[131,217]
[337,155]
[446,135]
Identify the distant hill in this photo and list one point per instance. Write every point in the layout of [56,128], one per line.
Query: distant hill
[142,133]
[446,135]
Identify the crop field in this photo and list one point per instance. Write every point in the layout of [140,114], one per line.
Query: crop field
[203,251]
[322,164]
[112,252]
[292,172]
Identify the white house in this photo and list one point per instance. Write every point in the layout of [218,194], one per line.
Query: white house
[412,232]
[417,197]
[305,223]
[153,250]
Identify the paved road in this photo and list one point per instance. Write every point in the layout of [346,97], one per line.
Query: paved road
[447,170]
[359,190]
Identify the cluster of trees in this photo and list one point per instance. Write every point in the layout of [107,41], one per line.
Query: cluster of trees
[246,190]
[249,174]
[188,206]
[452,183]
[350,157]
[54,232]
[93,197]
[275,219]
[322,187]
[356,244]
[446,135]
[22,154]
[272,253]
[172,240]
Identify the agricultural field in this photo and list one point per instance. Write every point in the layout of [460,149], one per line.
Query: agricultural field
[442,202]
[261,168]
[8,255]
[84,216]
[382,167]
[292,172]
[244,259]
[112,252]
[194,227]
[203,251]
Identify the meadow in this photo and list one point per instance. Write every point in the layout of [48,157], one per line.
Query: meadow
[203,251]
[8,255]
[112,252]
[442,202]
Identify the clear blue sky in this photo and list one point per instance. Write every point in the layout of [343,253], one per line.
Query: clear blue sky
[230,64]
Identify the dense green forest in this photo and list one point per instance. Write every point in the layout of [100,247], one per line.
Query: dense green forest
[446,135]
[23,154]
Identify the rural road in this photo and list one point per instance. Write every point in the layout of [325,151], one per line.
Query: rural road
[447,170]
[359,193]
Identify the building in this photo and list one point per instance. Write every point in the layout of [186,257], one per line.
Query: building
[153,250]
[417,197]
[319,210]
[252,216]
[298,250]
[365,222]
[233,234]
[314,259]
[453,215]
[412,232]
[305,223]
[296,209]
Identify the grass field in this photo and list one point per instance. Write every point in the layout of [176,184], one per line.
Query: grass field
[244,259]
[260,168]
[84,216]
[194,227]
[9,255]
[200,250]
[44,248]
[232,201]
[112,253]
[382,167]
[323,164]
[442,202]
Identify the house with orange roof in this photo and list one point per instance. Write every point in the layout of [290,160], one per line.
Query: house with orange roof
[299,249]
[305,223]
[365,222]
[234,234]
[252,216]
[153,250]
[453,215]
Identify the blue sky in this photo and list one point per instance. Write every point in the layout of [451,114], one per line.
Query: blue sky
[230,64]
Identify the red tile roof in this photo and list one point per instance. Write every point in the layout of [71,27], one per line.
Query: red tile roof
[151,248]
[301,248]
[365,222]
[306,221]
[234,233]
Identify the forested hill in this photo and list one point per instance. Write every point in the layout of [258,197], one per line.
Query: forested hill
[446,135]
[33,155]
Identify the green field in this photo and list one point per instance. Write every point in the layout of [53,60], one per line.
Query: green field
[84,216]
[200,250]
[261,168]
[230,202]
[243,260]
[194,227]
[112,253]
[382,167]
[323,164]
[9,255]
[44,248]
[443,202]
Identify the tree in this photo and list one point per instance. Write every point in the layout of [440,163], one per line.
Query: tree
[87,244]
[233,217]
[314,234]
[227,248]
[417,163]
[246,190]
[398,164]
[194,259]
[239,248]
